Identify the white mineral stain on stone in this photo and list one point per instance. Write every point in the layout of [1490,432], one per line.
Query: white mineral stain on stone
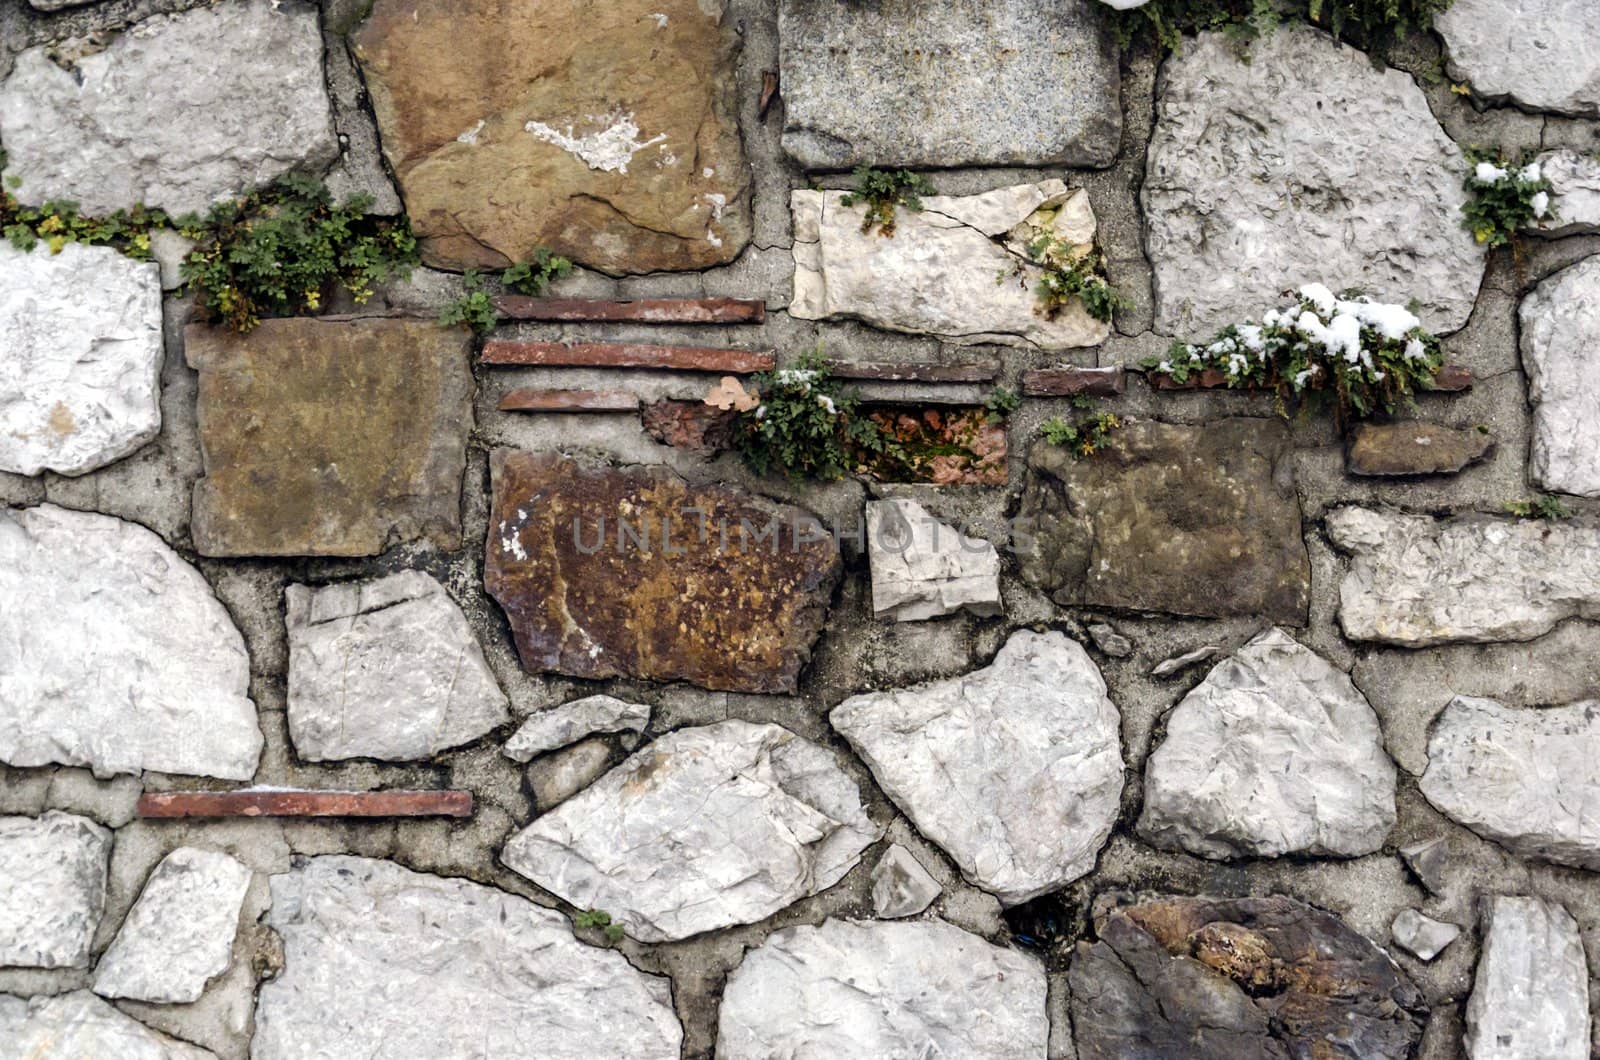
[609,150]
[471,135]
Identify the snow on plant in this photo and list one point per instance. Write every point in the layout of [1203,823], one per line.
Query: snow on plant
[1364,357]
[1506,197]
[805,426]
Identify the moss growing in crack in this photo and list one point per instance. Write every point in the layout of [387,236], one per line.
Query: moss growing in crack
[476,307]
[599,918]
[1081,435]
[883,192]
[1543,507]
[1506,196]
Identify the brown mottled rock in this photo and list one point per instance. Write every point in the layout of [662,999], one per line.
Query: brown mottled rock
[1237,979]
[1188,520]
[337,436]
[606,131]
[633,572]
[1410,448]
[690,425]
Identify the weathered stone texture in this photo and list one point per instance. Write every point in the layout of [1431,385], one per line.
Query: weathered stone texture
[1014,769]
[179,934]
[1411,448]
[330,437]
[380,961]
[607,572]
[385,669]
[125,660]
[1538,53]
[1274,753]
[52,889]
[923,279]
[900,885]
[176,112]
[705,828]
[80,358]
[941,83]
[1561,354]
[81,1025]
[1237,979]
[557,727]
[847,988]
[1186,520]
[606,132]
[1524,777]
[1415,581]
[1306,164]
[556,777]
[1422,936]
[922,568]
[1574,194]
[1530,999]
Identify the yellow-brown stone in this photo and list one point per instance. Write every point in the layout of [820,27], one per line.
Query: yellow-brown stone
[605,130]
[331,436]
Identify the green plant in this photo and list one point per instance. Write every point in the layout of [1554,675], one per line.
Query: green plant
[58,222]
[475,308]
[1369,23]
[532,276]
[1083,434]
[1361,356]
[1506,196]
[281,250]
[599,918]
[806,425]
[1000,403]
[884,191]
[1542,507]
[1070,274]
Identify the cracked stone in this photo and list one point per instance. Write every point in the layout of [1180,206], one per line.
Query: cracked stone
[386,669]
[1530,997]
[1422,936]
[879,989]
[179,934]
[631,571]
[80,358]
[406,964]
[1305,165]
[1236,979]
[1015,770]
[129,661]
[1561,353]
[1187,520]
[1521,776]
[901,887]
[1537,53]
[557,727]
[607,133]
[1415,581]
[81,1025]
[1274,753]
[922,280]
[52,889]
[656,841]
[242,101]
[922,568]
[927,83]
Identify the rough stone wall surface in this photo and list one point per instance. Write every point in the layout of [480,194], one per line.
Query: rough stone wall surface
[1230,690]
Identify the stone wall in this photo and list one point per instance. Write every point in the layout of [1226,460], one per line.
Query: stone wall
[1236,738]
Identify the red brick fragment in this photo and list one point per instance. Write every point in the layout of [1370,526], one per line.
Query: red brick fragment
[625,355]
[1070,382]
[539,399]
[246,803]
[642,311]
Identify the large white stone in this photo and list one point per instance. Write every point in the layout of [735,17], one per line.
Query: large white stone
[80,358]
[1274,753]
[1305,165]
[1574,194]
[1525,777]
[70,1026]
[1415,581]
[1014,769]
[567,724]
[385,669]
[877,989]
[950,270]
[704,828]
[1530,998]
[922,568]
[179,934]
[123,658]
[52,889]
[1540,54]
[1561,353]
[382,961]
[177,111]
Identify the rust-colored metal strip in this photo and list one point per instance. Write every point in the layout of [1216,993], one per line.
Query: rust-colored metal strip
[1071,382]
[625,355]
[537,399]
[640,311]
[248,803]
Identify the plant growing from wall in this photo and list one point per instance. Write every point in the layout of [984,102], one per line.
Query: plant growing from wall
[1361,357]
[1506,196]
[1369,23]
[1542,507]
[1001,403]
[282,250]
[475,308]
[1068,275]
[599,918]
[1081,435]
[806,425]
[883,192]
[532,276]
